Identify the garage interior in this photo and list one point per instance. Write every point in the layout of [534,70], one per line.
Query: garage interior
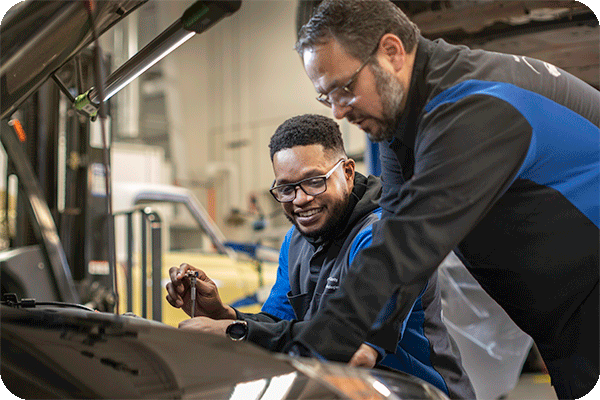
[189,160]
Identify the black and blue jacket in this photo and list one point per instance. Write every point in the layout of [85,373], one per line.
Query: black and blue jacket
[499,156]
[310,271]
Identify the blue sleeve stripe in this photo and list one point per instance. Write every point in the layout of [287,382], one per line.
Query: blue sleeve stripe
[282,313]
[564,152]
[363,239]
[418,362]
[277,303]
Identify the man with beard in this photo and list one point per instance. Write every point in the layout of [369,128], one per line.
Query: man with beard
[496,155]
[332,208]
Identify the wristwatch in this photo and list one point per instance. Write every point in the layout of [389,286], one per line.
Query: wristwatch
[237,330]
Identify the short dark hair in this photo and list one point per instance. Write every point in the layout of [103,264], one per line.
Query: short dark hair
[305,130]
[357,25]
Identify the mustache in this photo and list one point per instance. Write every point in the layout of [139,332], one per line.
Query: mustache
[352,118]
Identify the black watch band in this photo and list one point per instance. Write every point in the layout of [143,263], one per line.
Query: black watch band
[237,330]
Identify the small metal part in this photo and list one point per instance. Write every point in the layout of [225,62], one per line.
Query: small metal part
[27,303]
[192,275]
[11,299]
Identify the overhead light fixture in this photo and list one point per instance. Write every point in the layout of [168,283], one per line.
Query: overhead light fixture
[196,19]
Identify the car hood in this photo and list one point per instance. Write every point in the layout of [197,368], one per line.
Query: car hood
[58,352]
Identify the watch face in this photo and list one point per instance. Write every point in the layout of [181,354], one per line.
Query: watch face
[237,330]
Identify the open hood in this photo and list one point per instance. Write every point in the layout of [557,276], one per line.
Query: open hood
[38,37]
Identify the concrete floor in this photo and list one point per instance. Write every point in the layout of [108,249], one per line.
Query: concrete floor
[532,386]
[536,386]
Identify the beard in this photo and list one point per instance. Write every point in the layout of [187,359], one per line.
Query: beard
[392,95]
[331,228]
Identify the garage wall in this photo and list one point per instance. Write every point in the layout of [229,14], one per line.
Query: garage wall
[230,87]
[227,91]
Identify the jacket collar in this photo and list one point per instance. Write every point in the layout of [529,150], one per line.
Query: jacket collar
[403,142]
[406,128]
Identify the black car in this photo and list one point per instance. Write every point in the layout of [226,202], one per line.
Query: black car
[59,350]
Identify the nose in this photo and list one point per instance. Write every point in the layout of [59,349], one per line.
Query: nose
[339,111]
[301,197]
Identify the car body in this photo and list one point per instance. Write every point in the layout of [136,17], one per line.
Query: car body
[51,351]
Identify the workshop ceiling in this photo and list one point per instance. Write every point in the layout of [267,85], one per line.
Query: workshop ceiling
[563,33]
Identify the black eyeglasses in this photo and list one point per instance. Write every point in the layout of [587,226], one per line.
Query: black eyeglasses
[344,94]
[312,186]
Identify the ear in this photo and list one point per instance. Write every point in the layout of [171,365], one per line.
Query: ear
[349,167]
[392,50]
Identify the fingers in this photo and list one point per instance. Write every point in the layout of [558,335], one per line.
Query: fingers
[204,284]
[173,297]
[365,356]
[177,303]
[358,362]
[173,271]
[202,276]
[176,274]
[206,288]
[184,268]
[176,286]
[355,360]
[179,285]
[175,289]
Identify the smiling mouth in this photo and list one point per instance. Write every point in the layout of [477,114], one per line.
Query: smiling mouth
[309,213]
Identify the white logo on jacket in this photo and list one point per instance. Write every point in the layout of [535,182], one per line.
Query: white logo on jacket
[332,283]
